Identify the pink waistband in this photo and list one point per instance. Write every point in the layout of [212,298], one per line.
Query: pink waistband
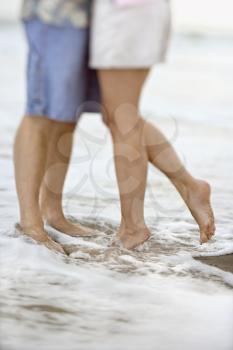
[130,2]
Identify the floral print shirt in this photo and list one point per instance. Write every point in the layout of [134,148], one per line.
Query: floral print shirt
[58,12]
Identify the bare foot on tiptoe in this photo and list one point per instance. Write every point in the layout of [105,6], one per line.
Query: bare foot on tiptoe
[40,236]
[198,201]
[131,239]
[65,226]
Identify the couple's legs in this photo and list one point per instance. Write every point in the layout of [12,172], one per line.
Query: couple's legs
[135,143]
[41,155]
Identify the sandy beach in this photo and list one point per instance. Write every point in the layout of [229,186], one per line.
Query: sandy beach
[103,298]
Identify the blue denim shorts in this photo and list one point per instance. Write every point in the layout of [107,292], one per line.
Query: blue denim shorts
[60,84]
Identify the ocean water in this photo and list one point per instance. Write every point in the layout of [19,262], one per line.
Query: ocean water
[100,297]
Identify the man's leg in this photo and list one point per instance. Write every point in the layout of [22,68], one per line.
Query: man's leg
[57,162]
[30,151]
[120,95]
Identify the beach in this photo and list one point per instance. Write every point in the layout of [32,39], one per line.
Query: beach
[170,293]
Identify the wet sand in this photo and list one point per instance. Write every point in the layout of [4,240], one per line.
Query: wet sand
[224,262]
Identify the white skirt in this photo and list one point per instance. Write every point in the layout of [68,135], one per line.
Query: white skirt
[133,36]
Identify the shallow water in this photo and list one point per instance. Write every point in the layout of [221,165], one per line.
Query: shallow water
[109,298]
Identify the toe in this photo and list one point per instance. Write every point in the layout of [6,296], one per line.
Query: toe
[211,234]
[211,230]
[203,238]
[55,246]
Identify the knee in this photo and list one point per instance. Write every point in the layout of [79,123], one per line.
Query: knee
[39,124]
[60,128]
[122,120]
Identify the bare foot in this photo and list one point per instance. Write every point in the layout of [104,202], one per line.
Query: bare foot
[65,226]
[39,235]
[131,239]
[198,202]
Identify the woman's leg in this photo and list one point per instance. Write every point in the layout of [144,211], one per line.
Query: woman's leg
[57,162]
[195,193]
[120,91]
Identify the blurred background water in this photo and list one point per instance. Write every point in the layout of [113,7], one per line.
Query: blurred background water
[158,296]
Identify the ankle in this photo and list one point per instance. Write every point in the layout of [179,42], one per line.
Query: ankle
[54,217]
[185,185]
[51,212]
[132,227]
[31,226]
